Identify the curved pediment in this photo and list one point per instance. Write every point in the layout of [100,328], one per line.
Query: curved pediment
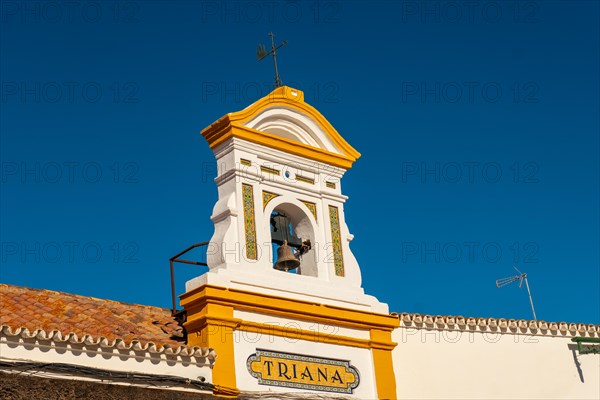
[283,121]
[291,124]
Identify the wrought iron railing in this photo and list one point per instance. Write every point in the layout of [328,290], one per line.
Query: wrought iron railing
[176,259]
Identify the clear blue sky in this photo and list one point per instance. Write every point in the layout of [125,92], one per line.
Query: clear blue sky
[478,127]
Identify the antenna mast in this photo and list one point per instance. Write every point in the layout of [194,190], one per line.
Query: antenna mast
[261,53]
[521,277]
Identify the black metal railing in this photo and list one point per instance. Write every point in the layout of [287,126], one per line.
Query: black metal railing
[176,259]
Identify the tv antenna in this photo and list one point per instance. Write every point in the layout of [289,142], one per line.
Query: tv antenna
[261,53]
[521,277]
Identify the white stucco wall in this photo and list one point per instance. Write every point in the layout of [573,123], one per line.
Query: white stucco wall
[19,349]
[463,364]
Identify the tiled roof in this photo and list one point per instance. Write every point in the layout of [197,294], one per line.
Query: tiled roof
[65,316]
[449,322]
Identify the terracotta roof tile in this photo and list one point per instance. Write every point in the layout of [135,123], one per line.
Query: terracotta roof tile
[22,307]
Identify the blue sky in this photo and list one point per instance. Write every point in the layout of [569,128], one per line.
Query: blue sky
[477,122]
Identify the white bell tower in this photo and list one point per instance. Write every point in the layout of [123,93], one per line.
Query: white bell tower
[281,157]
[280,166]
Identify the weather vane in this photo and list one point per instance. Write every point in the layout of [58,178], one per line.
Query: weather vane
[261,53]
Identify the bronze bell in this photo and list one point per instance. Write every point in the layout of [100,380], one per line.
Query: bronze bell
[286,260]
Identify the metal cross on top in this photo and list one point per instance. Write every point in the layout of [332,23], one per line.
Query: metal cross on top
[261,53]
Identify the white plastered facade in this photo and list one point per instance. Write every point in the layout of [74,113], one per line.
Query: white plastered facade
[22,346]
[487,359]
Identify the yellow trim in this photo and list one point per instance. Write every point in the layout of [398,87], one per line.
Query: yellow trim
[217,334]
[385,379]
[292,333]
[287,308]
[210,316]
[277,142]
[232,125]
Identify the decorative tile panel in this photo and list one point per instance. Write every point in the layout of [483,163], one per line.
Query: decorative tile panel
[243,161]
[267,197]
[299,371]
[330,185]
[338,260]
[249,222]
[269,170]
[311,206]
[305,179]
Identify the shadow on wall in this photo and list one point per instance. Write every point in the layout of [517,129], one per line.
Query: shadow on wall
[573,349]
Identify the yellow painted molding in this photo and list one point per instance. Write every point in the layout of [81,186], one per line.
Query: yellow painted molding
[277,142]
[286,332]
[288,308]
[385,379]
[232,125]
[217,335]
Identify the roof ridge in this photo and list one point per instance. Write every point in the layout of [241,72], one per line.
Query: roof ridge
[488,318]
[459,322]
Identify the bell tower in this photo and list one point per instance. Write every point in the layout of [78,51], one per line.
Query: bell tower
[280,207]
[280,254]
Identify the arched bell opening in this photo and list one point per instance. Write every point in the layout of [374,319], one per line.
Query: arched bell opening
[292,238]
